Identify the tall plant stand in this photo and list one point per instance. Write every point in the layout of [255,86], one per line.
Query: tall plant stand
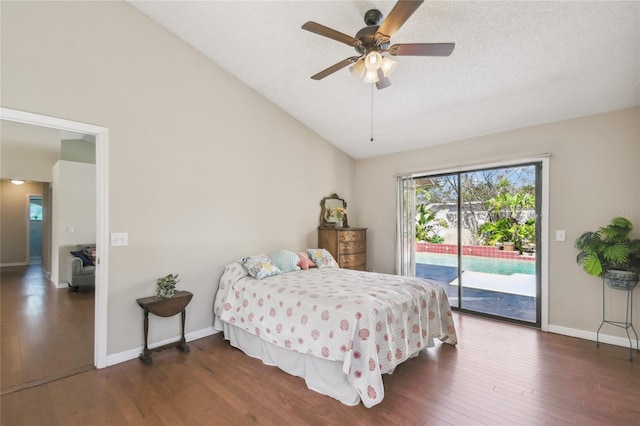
[627,324]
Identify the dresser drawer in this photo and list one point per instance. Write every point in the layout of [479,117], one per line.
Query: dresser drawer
[352,247]
[349,236]
[348,246]
[358,267]
[351,261]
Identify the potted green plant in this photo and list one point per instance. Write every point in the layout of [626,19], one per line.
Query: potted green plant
[166,286]
[610,253]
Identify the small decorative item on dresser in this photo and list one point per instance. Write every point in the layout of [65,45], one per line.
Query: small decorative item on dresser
[336,216]
[166,286]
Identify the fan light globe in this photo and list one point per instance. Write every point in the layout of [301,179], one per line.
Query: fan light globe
[373,61]
[388,65]
[357,69]
[371,76]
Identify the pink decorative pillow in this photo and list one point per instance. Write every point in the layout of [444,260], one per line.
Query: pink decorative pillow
[305,262]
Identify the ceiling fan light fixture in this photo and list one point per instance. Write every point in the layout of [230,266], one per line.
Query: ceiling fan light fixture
[374,41]
[373,60]
[388,65]
[371,76]
[357,69]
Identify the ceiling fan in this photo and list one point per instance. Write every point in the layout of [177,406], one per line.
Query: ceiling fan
[373,41]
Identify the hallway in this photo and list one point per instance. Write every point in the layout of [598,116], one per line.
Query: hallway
[45,332]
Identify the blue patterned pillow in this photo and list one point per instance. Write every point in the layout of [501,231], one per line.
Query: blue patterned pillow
[322,258]
[285,260]
[260,266]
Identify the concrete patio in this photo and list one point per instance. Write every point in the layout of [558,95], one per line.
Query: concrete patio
[509,296]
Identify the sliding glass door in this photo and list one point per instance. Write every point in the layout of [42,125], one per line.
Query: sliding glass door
[476,233]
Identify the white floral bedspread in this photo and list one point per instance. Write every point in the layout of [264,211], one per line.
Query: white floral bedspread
[370,322]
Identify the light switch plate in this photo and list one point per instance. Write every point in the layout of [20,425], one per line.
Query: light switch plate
[560,236]
[119,239]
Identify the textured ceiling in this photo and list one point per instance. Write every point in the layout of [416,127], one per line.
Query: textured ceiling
[515,64]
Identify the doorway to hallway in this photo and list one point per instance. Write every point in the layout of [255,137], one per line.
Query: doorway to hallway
[46,333]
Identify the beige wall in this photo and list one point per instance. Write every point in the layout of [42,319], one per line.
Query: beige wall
[594,175]
[27,152]
[74,209]
[14,225]
[202,170]
[78,150]
[47,222]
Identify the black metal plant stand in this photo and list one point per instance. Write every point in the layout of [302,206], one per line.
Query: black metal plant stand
[627,324]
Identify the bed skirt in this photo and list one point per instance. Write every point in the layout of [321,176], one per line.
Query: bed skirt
[320,375]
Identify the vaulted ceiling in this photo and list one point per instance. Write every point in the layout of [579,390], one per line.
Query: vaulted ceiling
[515,64]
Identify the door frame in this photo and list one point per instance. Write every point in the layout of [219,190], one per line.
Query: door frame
[102,212]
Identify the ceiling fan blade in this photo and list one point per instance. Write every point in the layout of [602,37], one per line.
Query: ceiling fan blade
[382,80]
[394,20]
[422,49]
[336,67]
[316,28]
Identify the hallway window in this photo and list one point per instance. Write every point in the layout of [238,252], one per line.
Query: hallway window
[35,208]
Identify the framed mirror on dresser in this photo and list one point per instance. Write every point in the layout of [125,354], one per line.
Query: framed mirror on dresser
[333,212]
[348,246]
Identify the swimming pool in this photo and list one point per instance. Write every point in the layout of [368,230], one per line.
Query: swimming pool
[489,265]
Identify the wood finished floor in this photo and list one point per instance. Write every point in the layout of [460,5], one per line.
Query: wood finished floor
[45,332]
[499,374]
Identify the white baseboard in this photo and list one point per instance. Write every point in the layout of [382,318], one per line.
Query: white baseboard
[591,335]
[6,265]
[133,353]
[209,331]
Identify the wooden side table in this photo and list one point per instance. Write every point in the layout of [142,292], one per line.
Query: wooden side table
[163,307]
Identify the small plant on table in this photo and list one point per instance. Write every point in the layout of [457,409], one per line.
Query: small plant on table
[166,286]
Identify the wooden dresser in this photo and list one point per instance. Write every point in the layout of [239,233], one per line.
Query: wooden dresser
[348,246]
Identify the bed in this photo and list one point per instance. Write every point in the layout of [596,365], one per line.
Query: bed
[338,329]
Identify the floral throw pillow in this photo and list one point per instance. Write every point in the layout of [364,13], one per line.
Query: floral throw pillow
[260,266]
[322,258]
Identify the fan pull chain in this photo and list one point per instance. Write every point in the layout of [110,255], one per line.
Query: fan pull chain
[371,112]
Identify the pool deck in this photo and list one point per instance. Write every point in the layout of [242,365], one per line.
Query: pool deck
[509,296]
[520,284]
